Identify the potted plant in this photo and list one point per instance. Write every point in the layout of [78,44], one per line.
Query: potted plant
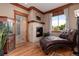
[3,37]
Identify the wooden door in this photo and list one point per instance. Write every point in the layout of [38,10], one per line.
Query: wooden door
[21,28]
[24,29]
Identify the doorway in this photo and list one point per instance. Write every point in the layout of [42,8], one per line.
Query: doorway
[21,29]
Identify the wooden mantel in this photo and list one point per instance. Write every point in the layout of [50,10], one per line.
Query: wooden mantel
[36,22]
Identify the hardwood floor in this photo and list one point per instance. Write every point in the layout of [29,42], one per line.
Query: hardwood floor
[29,49]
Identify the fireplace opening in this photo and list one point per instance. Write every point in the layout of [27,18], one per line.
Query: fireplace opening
[39,31]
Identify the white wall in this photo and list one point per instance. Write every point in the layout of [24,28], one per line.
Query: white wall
[7,9]
[72,18]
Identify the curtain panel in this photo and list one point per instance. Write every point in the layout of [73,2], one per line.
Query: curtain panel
[66,13]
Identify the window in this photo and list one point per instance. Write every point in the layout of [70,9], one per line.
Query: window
[58,22]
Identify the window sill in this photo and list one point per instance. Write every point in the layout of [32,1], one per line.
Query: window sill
[56,31]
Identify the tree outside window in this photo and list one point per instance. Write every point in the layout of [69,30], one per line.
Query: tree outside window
[58,22]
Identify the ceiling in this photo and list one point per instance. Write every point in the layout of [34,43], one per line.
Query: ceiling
[44,7]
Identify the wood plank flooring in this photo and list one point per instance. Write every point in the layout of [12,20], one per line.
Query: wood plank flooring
[29,49]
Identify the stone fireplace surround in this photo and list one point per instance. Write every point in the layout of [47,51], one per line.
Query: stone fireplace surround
[33,31]
[33,24]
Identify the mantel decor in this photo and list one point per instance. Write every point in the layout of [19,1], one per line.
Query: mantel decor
[38,18]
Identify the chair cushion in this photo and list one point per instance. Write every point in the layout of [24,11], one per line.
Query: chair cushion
[72,35]
[63,35]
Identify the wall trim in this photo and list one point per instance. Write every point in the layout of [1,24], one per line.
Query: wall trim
[20,6]
[6,17]
[34,8]
[20,13]
[25,15]
[3,17]
[25,8]
[59,8]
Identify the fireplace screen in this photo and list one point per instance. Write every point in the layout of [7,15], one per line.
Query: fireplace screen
[39,31]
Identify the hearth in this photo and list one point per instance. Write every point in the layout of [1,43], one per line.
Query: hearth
[39,31]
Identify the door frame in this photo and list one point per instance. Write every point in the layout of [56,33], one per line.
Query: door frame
[21,14]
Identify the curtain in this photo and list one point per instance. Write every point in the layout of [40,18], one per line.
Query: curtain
[66,13]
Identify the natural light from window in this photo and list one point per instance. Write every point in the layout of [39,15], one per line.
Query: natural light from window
[58,22]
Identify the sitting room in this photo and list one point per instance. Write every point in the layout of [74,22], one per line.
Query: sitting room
[39,29]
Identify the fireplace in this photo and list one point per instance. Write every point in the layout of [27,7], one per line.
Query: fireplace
[39,31]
